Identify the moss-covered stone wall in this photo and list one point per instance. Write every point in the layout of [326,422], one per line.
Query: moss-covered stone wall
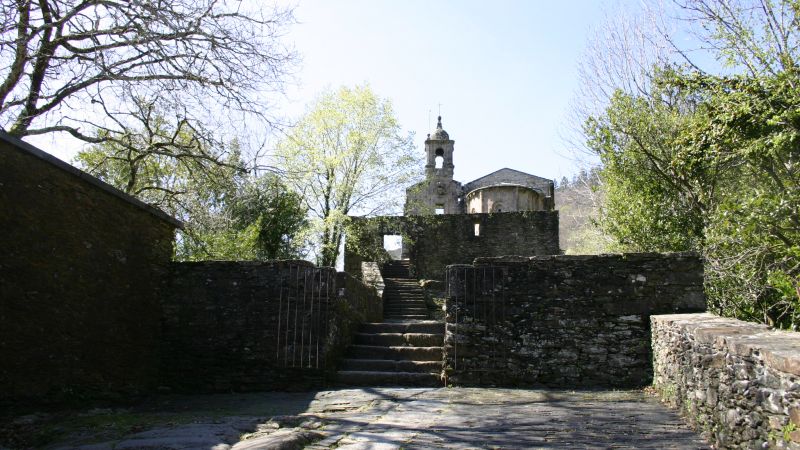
[432,242]
[82,267]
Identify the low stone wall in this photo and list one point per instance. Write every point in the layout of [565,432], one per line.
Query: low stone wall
[258,325]
[737,381]
[365,299]
[371,274]
[563,321]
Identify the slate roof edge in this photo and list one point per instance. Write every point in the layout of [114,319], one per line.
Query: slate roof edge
[44,156]
[536,189]
[539,180]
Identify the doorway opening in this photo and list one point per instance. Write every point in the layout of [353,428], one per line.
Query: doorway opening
[393,244]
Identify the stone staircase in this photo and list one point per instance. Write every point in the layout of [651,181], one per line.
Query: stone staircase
[405,349]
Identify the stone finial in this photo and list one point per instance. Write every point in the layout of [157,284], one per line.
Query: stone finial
[439,123]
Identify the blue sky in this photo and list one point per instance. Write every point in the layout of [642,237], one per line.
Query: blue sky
[504,72]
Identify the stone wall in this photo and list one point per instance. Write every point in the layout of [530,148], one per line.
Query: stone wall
[258,325]
[737,381]
[81,268]
[563,321]
[432,242]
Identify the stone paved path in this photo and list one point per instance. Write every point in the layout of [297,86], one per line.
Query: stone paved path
[408,418]
[505,418]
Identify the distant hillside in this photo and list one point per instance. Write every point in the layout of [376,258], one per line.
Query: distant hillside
[578,201]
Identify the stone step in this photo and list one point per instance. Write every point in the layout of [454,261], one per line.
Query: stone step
[388,365]
[407,316]
[399,339]
[428,326]
[406,309]
[395,353]
[365,378]
[405,312]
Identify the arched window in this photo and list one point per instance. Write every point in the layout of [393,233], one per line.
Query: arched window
[439,158]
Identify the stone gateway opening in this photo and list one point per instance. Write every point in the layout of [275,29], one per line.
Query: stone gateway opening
[393,244]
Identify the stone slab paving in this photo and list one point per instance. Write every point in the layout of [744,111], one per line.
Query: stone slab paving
[407,418]
[462,418]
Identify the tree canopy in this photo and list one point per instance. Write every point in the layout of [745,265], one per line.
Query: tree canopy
[709,162]
[228,213]
[347,155]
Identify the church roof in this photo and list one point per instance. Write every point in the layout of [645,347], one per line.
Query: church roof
[439,134]
[510,177]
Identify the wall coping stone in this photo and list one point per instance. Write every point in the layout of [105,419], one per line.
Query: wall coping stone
[493,260]
[780,349]
[272,262]
[102,185]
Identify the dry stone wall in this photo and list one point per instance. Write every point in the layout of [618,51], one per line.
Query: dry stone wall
[258,325]
[563,321]
[737,381]
[433,242]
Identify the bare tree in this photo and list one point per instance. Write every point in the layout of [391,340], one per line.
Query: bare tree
[76,66]
[758,37]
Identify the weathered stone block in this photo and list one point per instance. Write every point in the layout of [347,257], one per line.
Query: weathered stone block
[746,398]
[546,314]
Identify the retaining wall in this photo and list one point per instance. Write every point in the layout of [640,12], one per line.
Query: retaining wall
[737,381]
[259,325]
[563,321]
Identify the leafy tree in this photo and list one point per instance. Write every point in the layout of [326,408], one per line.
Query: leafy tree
[648,204]
[347,155]
[710,162]
[228,214]
[262,220]
[169,166]
[748,129]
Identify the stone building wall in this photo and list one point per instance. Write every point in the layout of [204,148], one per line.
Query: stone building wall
[504,199]
[563,321]
[737,381]
[258,325]
[435,241]
[81,270]
[434,193]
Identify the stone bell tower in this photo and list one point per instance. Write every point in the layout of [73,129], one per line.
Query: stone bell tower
[439,193]
[439,148]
